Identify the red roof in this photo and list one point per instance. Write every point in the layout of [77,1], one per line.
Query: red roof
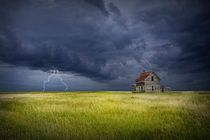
[143,76]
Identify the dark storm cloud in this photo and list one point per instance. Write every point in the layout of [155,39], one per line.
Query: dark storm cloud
[80,45]
[99,4]
[114,9]
[186,25]
[117,15]
[107,40]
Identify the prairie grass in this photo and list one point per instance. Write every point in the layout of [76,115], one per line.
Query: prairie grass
[104,115]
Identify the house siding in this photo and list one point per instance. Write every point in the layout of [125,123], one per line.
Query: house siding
[152,86]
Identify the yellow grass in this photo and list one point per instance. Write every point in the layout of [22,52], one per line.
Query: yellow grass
[104,115]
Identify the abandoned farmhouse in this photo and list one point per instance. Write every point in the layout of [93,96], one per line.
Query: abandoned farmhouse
[148,82]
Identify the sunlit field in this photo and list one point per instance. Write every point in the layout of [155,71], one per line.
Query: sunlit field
[104,115]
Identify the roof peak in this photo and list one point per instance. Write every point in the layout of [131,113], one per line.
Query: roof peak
[143,76]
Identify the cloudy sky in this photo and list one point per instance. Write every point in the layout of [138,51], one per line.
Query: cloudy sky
[103,44]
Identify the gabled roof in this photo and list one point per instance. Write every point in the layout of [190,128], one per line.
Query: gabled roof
[143,76]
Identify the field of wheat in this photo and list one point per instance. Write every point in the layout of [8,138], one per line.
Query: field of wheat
[104,115]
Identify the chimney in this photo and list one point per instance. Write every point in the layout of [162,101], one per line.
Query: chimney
[143,71]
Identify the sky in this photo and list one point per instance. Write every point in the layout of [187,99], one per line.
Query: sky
[103,44]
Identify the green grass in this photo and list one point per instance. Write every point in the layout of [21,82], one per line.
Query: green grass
[104,115]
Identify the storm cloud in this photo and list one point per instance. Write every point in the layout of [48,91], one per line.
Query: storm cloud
[109,41]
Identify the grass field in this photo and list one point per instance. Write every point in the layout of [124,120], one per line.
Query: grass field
[104,115]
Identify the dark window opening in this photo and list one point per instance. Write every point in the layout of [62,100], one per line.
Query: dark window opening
[152,78]
[152,88]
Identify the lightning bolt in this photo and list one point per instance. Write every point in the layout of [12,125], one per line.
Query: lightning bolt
[54,73]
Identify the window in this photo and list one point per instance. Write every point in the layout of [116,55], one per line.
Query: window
[152,88]
[152,78]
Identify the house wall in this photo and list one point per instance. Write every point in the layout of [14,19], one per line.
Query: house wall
[140,86]
[152,86]
[140,89]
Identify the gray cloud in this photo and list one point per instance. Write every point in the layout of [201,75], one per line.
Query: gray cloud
[99,4]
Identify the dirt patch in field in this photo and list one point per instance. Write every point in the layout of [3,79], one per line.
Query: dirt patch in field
[15,95]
